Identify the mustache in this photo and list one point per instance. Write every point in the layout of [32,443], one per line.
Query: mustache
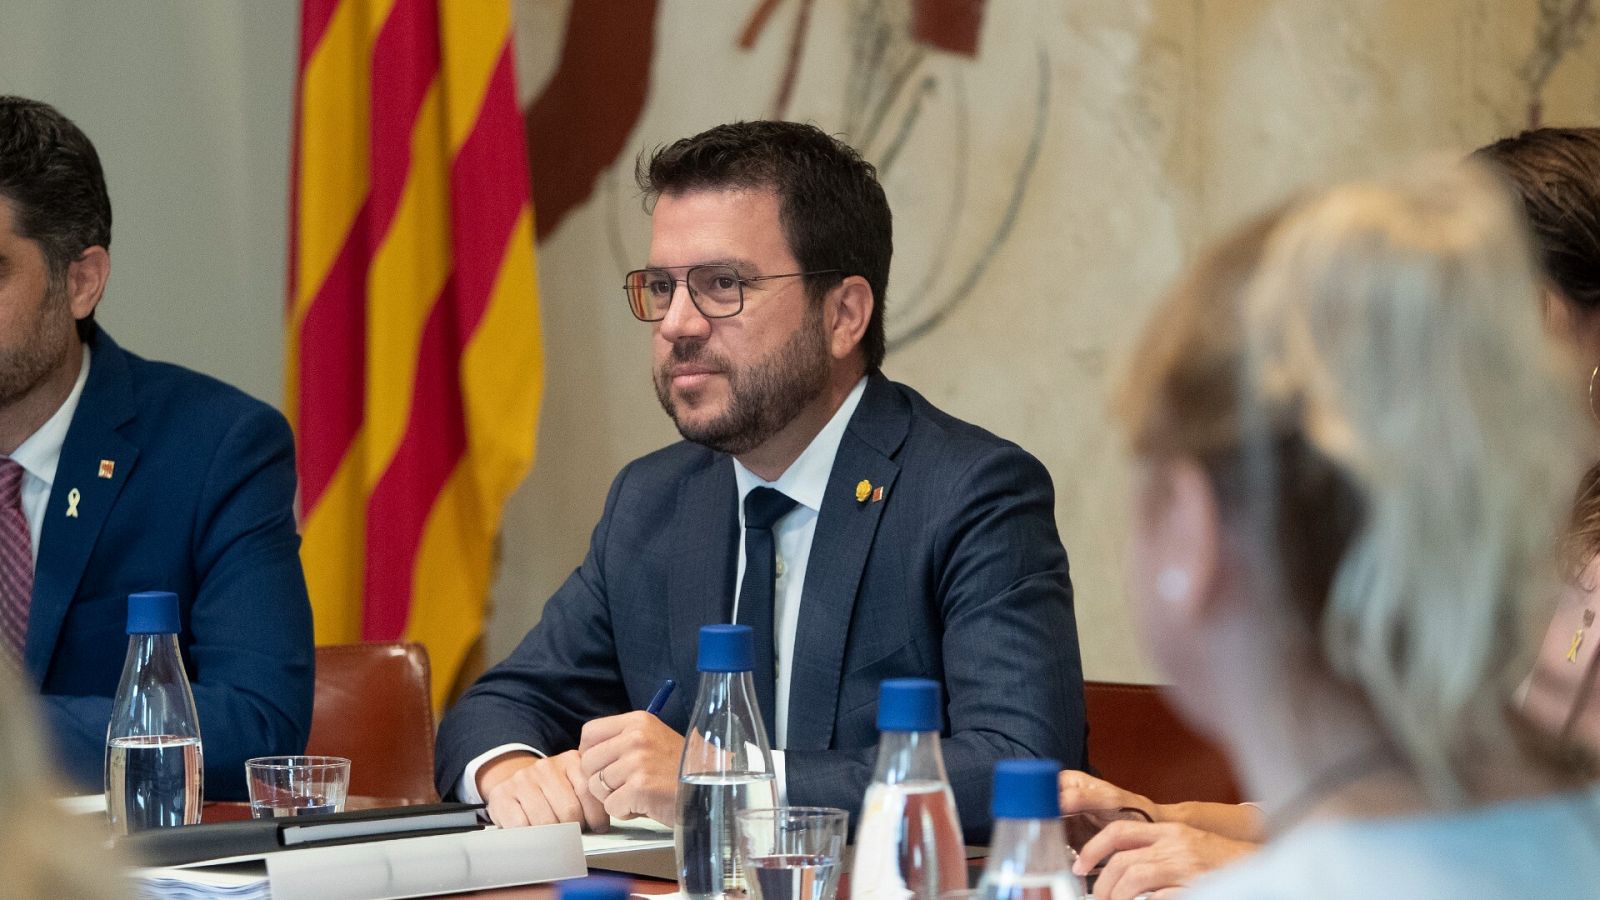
[694,352]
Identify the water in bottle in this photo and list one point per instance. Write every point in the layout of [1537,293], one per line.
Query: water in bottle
[154,768]
[726,766]
[1028,854]
[909,842]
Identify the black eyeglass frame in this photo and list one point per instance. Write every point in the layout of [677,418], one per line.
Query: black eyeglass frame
[694,297]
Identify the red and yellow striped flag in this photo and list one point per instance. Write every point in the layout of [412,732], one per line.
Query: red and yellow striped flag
[414,360]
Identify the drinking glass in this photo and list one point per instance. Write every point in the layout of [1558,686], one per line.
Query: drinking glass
[296,785]
[792,852]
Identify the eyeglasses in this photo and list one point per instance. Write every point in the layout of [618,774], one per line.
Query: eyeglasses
[717,291]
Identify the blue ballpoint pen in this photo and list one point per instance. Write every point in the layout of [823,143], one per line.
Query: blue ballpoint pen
[660,699]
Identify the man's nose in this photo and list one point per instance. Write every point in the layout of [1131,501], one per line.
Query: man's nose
[683,318]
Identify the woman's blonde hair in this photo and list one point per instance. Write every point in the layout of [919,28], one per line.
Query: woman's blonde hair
[1364,377]
[44,853]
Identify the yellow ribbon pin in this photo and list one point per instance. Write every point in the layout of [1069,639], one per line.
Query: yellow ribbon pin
[72,503]
[863,490]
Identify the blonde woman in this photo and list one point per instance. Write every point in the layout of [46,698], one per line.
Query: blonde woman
[44,854]
[1354,459]
[1555,172]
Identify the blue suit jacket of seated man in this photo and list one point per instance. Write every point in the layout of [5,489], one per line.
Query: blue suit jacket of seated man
[200,501]
[956,574]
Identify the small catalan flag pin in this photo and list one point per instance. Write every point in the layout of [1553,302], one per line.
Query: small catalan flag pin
[864,490]
[108,467]
[877,493]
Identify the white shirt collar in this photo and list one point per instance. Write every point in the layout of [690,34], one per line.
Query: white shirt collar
[806,479]
[41,452]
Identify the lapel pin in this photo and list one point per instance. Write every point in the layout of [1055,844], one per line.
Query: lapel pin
[863,490]
[108,467]
[72,503]
[877,494]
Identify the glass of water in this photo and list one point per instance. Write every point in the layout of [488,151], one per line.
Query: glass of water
[296,785]
[792,852]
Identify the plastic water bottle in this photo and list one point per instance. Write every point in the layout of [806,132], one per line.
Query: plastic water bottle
[595,887]
[726,767]
[908,844]
[1028,855]
[153,761]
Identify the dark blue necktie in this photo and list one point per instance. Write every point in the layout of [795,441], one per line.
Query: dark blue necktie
[762,508]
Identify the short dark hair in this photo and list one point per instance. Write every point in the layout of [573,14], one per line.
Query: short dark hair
[51,175]
[830,204]
[1556,172]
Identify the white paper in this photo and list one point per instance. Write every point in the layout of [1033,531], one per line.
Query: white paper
[82,804]
[629,834]
[247,881]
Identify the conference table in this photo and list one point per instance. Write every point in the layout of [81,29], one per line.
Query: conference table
[222,811]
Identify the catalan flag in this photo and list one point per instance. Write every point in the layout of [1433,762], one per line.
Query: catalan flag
[414,360]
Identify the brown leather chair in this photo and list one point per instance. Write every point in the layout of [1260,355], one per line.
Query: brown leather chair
[1137,742]
[374,706]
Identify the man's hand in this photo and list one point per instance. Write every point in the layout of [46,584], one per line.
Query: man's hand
[523,789]
[1081,791]
[1150,857]
[631,762]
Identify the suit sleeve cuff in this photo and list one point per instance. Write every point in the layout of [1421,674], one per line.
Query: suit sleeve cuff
[467,787]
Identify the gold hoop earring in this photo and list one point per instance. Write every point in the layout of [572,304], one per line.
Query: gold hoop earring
[1592,375]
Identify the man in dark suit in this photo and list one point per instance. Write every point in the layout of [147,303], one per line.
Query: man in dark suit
[121,475]
[881,537]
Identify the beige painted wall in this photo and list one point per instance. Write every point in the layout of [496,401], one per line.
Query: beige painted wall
[188,103]
[1163,123]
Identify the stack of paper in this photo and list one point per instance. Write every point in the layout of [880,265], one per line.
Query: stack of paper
[246,882]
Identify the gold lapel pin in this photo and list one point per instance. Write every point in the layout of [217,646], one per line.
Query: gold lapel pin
[863,490]
[108,467]
[72,503]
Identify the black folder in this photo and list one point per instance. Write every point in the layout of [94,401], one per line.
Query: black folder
[194,843]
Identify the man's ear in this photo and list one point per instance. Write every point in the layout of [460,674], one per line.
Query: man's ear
[848,310]
[86,280]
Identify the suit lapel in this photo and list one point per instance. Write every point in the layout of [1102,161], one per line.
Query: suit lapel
[840,546]
[67,539]
[704,539]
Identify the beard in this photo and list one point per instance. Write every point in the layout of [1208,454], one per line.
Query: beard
[24,366]
[764,396]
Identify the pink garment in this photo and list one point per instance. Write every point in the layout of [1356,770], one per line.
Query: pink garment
[1561,691]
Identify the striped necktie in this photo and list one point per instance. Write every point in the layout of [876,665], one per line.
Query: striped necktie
[16,563]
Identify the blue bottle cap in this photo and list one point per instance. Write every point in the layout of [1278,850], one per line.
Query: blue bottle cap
[1026,789]
[153,612]
[727,648]
[596,887]
[909,704]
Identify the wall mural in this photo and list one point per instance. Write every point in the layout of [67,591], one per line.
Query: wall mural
[1051,166]
[904,92]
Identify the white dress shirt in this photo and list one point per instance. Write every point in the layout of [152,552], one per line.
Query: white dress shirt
[806,480]
[41,453]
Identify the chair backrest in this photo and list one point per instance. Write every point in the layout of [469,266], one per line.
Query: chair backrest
[1137,742]
[374,706]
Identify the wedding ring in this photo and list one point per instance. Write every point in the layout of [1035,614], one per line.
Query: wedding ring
[602,776]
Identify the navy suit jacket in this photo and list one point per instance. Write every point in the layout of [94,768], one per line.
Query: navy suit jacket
[200,501]
[957,574]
